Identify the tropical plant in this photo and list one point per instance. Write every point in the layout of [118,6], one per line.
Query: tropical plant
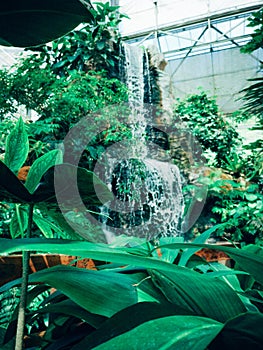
[150,294]
[256,41]
[252,95]
[60,102]
[200,114]
[38,190]
[53,81]
[92,46]
[237,204]
[6,102]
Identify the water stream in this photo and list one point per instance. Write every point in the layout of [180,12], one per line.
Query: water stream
[147,186]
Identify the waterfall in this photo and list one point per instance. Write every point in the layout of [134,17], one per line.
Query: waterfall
[134,74]
[147,186]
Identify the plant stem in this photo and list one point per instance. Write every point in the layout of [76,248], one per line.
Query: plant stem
[23,297]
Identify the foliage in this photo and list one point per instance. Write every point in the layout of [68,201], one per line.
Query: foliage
[237,204]
[145,286]
[201,116]
[59,81]
[92,46]
[16,140]
[256,41]
[38,186]
[29,84]
[61,101]
[234,186]
[252,95]
[6,102]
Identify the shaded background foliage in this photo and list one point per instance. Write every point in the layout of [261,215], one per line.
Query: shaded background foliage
[201,115]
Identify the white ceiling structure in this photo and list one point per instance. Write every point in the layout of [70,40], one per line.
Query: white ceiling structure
[169,12]
[200,40]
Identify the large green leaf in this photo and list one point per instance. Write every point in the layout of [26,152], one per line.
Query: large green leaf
[231,280]
[46,226]
[171,332]
[91,190]
[11,189]
[84,249]
[74,185]
[96,251]
[250,262]
[19,222]
[242,332]
[17,147]
[34,22]
[198,293]
[187,253]
[40,167]
[127,319]
[70,308]
[100,292]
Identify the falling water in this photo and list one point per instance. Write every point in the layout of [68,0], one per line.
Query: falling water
[148,196]
[134,74]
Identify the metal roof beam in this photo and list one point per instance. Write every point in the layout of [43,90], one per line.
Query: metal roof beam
[193,21]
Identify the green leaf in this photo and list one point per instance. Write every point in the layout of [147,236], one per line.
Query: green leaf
[171,332]
[11,189]
[187,253]
[251,197]
[74,185]
[247,261]
[84,249]
[69,307]
[91,189]
[100,292]
[242,332]
[18,224]
[17,147]
[168,254]
[41,166]
[100,45]
[44,225]
[198,293]
[127,319]
[60,64]
[232,280]
[30,23]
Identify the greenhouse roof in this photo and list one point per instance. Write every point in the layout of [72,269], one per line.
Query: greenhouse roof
[199,39]
[149,14]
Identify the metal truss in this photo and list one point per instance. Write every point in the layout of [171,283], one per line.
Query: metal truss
[200,35]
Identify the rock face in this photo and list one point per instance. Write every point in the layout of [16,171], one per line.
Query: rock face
[146,184]
[148,199]
[162,79]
